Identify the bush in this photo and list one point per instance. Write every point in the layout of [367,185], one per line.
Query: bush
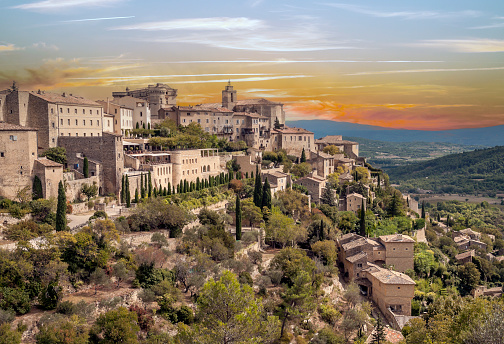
[329,314]
[99,214]
[65,307]
[5,203]
[16,211]
[255,257]
[26,230]
[6,316]
[16,300]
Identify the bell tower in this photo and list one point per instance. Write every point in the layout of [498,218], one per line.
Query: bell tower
[229,97]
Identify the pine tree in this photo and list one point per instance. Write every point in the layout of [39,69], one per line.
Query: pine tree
[238,218]
[258,189]
[85,168]
[379,181]
[277,123]
[363,220]
[136,195]
[378,336]
[37,188]
[266,195]
[150,185]
[61,220]
[303,156]
[127,193]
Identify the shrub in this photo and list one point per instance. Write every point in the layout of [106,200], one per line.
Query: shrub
[329,314]
[65,307]
[99,214]
[6,316]
[16,300]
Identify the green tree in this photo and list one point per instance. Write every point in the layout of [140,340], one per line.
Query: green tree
[378,336]
[115,326]
[303,156]
[258,189]
[469,277]
[266,195]
[238,218]
[57,154]
[327,196]
[89,190]
[51,295]
[71,331]
[9,336]
[128,194]
[277,123]
[123,190]
[61,220]
[301,170]
[85,168]
[331,149]
[149,185]
[142,187]
[362,220]
[326,250]
[136,195]
[423,209]
[37,188]
[230,313]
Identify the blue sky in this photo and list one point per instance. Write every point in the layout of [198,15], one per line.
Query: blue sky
[405,64]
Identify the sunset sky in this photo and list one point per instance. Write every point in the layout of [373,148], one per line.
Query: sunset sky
[430,65]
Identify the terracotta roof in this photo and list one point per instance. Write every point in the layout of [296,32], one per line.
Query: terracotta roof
[14,127]
[396,238]
[276,174]
[356,257]
[64,99]
[359,242]
[204,108]
[388,276]
[48,163]
[464,255]
[292,130]
[249,114]
[259,101]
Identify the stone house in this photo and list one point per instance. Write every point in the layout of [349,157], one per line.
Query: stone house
[349,148]
[18,153]
[118,119]
[465,257]
[354,202]
[322,162]
[157,96]
[278,180]
[314,184]
[53,115]
[141,110]
[50,174]
[292,140]
[247,163]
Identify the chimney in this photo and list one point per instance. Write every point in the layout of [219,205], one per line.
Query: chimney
[64,94]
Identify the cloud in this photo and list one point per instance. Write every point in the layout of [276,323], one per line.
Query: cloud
[44,46]
[478,45]
[491,26]
[205,24]
[49,5]
[56,73]
[95,19]
[285,61]
[403,14]
[9,47]
[428,70]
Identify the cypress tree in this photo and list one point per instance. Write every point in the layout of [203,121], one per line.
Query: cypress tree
[303,156]
[137,126]
[246,175]
[150,185]
[178,188]
[128,194]
[379,181]
[136,195]
[37,188]
[378,336]
[363,220]
[252,175]
[266,195]
[206,183]
[61,220]
[85,168]
[321,235]
[191,187]
[142,188]
[238,218]
[258,189]
[198,185]
[186,186]
[123,187]
[423,209]
[173,190]
[154,192]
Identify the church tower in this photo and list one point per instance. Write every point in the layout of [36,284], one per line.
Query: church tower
[229,97]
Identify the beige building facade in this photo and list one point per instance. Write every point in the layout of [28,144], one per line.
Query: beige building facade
[292,140]
[141,112]
[118,118]
[157,96]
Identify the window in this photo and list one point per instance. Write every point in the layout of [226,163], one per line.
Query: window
[98,123]
[75,111]
[237,121]
[84,134]
[199,120]
[68,121]
[13,137]
[2,155]
[83,122]
[53,125]
[52,111]
[141,114]
[108,121]
[91,134]
[359,265]
[61,121]
[61,109]
[76,122]
[83,111]
[207,120]
[90,122]
[115,110]
[68,110]
[97,112]
[90,112]
[53,140]
[76,134]
[183,120]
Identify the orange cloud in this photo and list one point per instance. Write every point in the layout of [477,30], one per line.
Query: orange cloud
[400,116]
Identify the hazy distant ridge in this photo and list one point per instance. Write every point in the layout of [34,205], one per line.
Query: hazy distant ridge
[489,137]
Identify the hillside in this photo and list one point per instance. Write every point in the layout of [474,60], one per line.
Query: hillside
[385,155]
[488,137]
[480,171]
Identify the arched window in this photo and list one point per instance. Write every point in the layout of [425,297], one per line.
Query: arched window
[208,168]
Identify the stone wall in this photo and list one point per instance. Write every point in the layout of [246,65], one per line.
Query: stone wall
[73,187]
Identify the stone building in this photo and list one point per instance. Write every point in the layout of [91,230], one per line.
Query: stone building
[50,174]
[349,148]
[322,162]
[53,115]
[106,150]
[118,117]
[314,184]
[157,96]
[168,168]
[141,111]
[354,202]
[278,180]
[292,140]
[18,153]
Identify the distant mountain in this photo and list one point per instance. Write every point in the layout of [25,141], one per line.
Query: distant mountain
[488,137]
[480,171]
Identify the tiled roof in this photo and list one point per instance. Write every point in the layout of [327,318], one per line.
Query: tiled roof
[359,242]
[14,127]
[64,99]
[249,114]
[389,276]
[48,163]
[356,195]
[396,238]
[464,255]
[292,130]
[356,257]
[204,108]
[276,174]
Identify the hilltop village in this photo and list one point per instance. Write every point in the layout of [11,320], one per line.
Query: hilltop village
[133,219]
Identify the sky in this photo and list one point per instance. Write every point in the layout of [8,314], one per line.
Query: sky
[427,65]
